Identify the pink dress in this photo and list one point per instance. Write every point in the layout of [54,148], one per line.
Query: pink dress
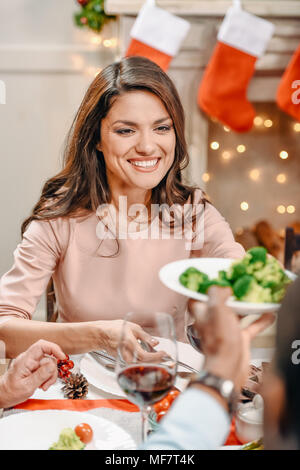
[89,284]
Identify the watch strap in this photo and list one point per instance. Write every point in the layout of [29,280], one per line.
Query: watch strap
[224,387]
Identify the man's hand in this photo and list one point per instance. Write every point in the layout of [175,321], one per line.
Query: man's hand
[225,345]
[36,367]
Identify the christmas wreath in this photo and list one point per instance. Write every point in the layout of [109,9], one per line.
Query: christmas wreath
[92,15]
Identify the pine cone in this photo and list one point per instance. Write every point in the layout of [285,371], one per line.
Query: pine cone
[76,387]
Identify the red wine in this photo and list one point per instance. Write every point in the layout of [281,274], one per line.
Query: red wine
[193,338]
[145,384]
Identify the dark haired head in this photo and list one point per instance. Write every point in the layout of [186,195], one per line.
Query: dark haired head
[82,184]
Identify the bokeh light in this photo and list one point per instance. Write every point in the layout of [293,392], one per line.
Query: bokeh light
[290,209]
[268,123]
[254,174]
[281,178]
[244,206]
[280,209]
[241,148]
[214,145]
[283,154]
[205,177]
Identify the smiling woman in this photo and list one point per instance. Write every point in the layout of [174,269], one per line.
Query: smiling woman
[123,103]
[127,141]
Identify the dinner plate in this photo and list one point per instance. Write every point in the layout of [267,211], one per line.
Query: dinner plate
[169,275]
[105,380]
[100,377]
[38,430]
[236,447]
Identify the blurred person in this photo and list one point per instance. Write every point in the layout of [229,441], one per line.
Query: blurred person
[32,369]
[201,417]
[127,140]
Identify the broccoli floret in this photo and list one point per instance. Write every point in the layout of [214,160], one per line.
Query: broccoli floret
[193,282]
[236,270]
[222,276]
[270,275]
[278,295]
[221,282]
[255,259]
[258,294]
[204,286]
[279,290]
[253,267]
[246,289]
[258,253]
[273,277]
[242,286]
[191,278]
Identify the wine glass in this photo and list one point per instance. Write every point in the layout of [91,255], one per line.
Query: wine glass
[190,330]
[146,377]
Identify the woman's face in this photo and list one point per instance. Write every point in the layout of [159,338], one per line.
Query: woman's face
[137,141]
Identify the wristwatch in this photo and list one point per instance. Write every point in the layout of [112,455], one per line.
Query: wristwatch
[224,387]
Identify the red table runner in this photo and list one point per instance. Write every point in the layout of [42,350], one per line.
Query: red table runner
[77,405]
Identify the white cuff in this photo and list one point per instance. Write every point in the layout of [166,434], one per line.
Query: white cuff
[159,29]
[245,31]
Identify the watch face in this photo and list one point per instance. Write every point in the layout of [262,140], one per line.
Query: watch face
[227,387]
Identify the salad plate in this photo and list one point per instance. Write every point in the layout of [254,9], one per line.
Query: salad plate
[39,430]
[170,273]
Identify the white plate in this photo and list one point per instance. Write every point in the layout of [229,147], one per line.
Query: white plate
[38,430]
[105,380]
[100,377]
[169,275]
[236,447]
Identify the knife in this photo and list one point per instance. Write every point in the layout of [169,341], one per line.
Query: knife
[104,360]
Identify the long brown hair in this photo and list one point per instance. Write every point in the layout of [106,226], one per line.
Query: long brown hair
[82,185]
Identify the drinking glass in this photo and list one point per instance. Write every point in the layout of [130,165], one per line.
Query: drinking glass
[146,380]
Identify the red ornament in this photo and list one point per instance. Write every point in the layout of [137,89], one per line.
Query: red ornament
[83,2]
[64,367]
[83,20]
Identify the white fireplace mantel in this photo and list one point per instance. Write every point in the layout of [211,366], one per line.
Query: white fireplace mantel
[285,8]
[187,68]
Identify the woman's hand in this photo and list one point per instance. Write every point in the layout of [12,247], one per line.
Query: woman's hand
[226,346]
[110,334]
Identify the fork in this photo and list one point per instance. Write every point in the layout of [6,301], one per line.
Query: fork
[148,348]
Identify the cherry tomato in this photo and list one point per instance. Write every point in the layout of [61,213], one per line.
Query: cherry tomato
[160,415]
[60,373]
[173,395]
[84,432]
[162,405]
[62,363]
